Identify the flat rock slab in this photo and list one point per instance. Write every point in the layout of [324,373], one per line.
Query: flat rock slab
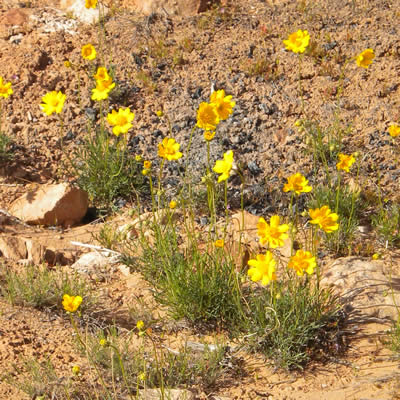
[368,285]
[51,205]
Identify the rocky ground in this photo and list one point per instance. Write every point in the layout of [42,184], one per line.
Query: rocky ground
[171,62]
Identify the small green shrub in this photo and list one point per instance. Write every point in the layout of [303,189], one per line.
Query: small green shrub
[106,170]
[293,323]
[348,205]
[42,288]
[387,224]
[5,152]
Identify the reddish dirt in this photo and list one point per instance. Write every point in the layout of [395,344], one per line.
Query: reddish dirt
[170,63]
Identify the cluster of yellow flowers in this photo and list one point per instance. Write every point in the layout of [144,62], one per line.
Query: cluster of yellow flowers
[210,114]
[274,234]
[297,42]
[104,84]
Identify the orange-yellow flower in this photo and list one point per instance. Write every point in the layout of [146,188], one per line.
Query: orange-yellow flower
[302,261]
[172,204]
[219,243]
[263,268]
[147,164]
[207,117]
[101,74]
[274,234]
[394,130]
[5,88]
[365,58]
[345,162]
[223,104]
[88,52]
[90,3]
[71,303]
[297,183]
[121,120]
[325,218]
[169,149]
[297,41]
[102,89]
[209,135]
[224,166]
[53,102]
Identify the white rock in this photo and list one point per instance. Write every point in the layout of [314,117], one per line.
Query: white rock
[78,10]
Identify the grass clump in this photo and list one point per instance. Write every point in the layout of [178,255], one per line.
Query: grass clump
[146,365]
[106,170]
[5,151]
[39,287]
[387,224]
[292,323]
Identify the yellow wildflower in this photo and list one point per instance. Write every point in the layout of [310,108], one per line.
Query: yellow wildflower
[223,104]
[142,376]
[345,162]
[297,183]
[219,243]
[103,87]
[101,74]
[263,268]
[88,52]
[5,88]
[394,130]
[71,303]
[159,113]
[207,117]
[297,41]
[138,158]
[376,256]
[302,261]
[365,58]
[324,218]
[90,3]
[140,325]
[67,64]
[121,120]
[146,164]
[169,149]
[103,342]
[145,171]
[224,166]
[209,135]
[53,102]
[274,234]
[76,369]
[172,204]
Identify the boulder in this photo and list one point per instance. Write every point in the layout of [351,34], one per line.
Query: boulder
[58,204]
[367,285]
[171,7]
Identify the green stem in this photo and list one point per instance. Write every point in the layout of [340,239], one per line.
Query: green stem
[73,323]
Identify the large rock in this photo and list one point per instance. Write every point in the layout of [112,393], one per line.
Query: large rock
[48,205]
[369,286]
[172,7]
